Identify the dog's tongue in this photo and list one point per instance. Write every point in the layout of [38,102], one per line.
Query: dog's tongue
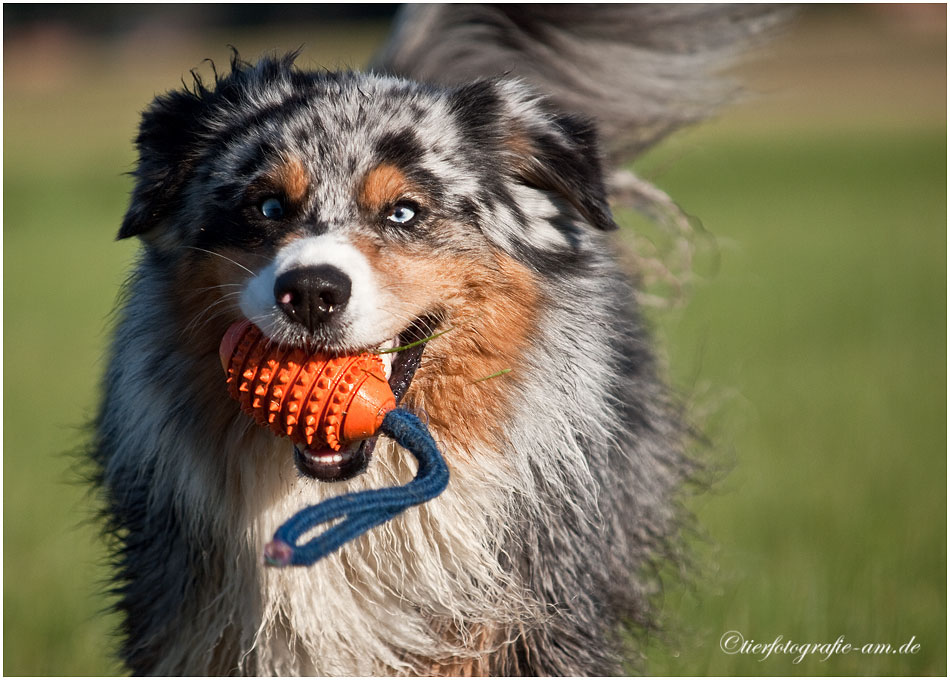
[230,341]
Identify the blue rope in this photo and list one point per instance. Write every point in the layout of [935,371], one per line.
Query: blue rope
[360,511]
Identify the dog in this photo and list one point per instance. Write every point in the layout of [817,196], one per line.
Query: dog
[456,194]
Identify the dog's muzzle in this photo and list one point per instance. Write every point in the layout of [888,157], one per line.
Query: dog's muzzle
[328,465]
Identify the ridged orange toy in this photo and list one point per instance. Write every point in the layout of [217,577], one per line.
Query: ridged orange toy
[316,400]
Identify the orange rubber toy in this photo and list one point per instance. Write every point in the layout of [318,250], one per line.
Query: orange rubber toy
[318,401]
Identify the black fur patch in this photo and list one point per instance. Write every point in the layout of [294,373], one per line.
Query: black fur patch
[566,161]
[166,137]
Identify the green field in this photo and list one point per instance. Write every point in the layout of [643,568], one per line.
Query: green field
[812,352]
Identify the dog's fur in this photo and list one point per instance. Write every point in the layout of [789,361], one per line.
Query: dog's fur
[564,469]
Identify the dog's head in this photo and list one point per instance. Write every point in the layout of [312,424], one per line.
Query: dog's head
[348,212]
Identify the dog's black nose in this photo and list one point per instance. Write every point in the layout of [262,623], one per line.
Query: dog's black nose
[312,295]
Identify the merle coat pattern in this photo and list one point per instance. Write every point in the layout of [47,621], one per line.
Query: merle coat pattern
[479,208]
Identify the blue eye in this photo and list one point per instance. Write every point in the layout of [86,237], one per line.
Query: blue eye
[272,209]
[401,214]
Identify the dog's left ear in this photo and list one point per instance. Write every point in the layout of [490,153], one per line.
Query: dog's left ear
[562,155]
[546,150]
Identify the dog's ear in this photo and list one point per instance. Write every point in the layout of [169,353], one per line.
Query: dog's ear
[166,135]
[561,154]
[551,151]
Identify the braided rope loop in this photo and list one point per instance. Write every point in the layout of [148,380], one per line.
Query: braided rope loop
[360,511]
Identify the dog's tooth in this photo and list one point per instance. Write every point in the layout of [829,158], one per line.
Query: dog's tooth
[387,358]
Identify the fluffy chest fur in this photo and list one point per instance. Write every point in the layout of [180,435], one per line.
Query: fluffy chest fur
[500,569]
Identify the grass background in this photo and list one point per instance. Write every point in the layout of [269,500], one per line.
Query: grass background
[813,352]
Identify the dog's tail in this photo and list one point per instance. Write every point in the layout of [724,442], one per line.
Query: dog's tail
[639,70]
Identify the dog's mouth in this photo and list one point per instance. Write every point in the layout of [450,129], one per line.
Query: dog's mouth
[328,465]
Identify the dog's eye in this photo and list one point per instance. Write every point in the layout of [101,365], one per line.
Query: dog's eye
[272,208]
[402,213]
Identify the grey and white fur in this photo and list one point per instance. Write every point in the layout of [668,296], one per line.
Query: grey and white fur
[459,186]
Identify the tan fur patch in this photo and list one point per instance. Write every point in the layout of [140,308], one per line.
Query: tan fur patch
[520,145]
[491,306]
[293,178]
[382,186]
[483,642]
[207,288]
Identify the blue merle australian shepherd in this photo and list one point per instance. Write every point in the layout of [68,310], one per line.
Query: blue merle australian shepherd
[461,184]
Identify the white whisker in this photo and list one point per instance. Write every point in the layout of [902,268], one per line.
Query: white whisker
[223,257]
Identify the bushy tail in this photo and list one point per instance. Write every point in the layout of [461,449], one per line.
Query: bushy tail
[639,70]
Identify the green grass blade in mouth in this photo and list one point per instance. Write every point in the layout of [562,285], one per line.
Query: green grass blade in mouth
[411,344]
[504,371]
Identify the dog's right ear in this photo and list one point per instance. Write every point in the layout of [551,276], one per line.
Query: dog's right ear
[168,131]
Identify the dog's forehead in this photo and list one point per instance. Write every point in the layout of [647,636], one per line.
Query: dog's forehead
[338,129]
